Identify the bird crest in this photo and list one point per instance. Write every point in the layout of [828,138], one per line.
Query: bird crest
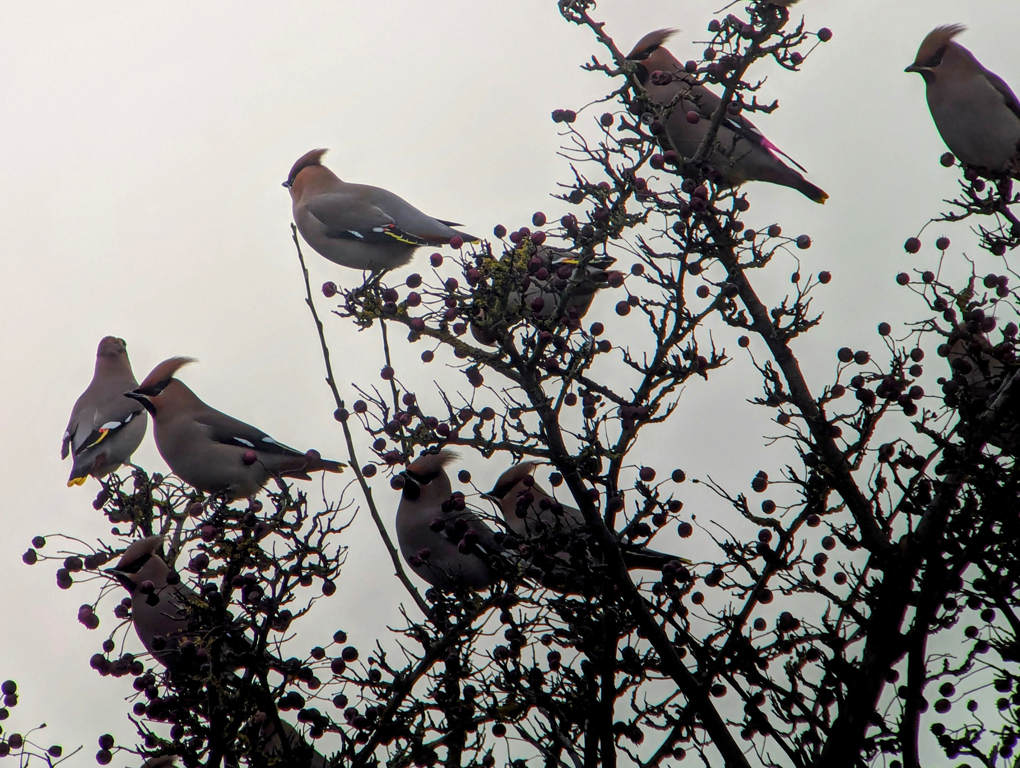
[165,371]
[431,462]
[509,479]
[650,42]
[933,46]
[517,472]
[308,159]
[138,549]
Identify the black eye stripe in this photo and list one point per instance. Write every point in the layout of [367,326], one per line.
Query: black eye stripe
[421,479]
[136,565]
[411,491]
[936,58]
[500,491]
[642,55]
[155,389]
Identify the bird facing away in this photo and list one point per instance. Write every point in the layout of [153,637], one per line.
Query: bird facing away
[445,543]
[740,152]
[210,450]
[976,113]
[163,616]
[537,282]
[534,515]
[356,225]
[105,427]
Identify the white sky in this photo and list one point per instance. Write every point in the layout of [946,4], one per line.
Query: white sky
[143,149]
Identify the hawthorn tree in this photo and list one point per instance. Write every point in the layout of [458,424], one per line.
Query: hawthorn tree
[856,607]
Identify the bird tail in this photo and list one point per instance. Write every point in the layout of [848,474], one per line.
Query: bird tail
[810,191]
[644,559]
[453,225]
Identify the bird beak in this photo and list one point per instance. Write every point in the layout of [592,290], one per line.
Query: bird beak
[489,496]
[915,68]
[287,184]
[143,399]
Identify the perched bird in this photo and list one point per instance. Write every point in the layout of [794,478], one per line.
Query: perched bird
[166,614]
[977,114]
[301,753]
[163,616]
[740,152]
[537,283]
[445,543]
[534,515]
[358,226]
[105,427]
[980,370]
[211,451]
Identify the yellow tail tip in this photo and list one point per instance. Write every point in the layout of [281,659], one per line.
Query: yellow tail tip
[77,480]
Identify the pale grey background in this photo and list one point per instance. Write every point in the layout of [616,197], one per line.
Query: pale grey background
[143,149]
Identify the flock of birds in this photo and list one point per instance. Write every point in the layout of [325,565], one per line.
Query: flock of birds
[367,228]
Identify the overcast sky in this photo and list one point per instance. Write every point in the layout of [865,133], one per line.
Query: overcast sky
[143,149]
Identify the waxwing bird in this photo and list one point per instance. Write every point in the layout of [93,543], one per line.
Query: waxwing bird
[211,451]
[741,153]
[537,283]
[105,427]
[356,225]
[980,372]
[163,615]
[301,753]
[166,613]
[976,113]
[442,540]
[532,514]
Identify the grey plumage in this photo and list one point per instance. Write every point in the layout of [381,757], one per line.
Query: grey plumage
[171,614]
[442,540]
[303,755]
[539,284]
[980,370]
[975,111]
[105,427]
[357,225]
[210,450]
[535,516]
[164,616]
[740,152]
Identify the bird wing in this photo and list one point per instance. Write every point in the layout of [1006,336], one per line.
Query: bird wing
[65,444]
[97,435]
[353,217]
[707,103]
[744,127]
[409,220]
[1007,93]
[486,541]
[230,431]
